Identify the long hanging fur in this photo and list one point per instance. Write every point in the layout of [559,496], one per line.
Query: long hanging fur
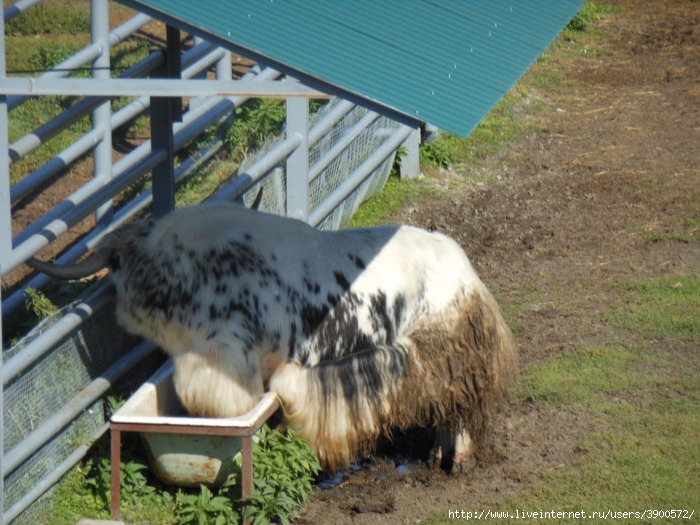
[452,373]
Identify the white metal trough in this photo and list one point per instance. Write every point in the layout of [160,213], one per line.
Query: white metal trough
[185,450]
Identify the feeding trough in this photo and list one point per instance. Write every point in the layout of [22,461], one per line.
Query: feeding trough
[185,450]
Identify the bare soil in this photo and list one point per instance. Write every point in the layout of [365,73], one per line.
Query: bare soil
[608,187]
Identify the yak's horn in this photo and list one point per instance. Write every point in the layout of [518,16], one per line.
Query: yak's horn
[89,266]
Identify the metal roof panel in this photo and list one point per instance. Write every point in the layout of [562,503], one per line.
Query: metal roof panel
[446,62]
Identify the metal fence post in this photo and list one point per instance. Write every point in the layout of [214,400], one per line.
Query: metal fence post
[102,115]
[410,161]
[5,224]
[5,202]
[298,160]
[164,112]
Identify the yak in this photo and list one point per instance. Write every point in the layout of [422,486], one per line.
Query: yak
[359,332]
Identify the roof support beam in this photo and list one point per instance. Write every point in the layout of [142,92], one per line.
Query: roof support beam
[165,111]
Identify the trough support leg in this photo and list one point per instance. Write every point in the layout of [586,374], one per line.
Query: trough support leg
[116,455]
[248,487]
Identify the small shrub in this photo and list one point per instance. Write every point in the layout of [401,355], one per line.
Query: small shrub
[38,304]
[206,508]
[588,14]
[285,468]
[438,153]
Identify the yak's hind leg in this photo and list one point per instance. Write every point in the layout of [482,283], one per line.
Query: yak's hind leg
[453,450]
[341,407]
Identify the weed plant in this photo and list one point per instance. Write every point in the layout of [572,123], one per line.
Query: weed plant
[285,468]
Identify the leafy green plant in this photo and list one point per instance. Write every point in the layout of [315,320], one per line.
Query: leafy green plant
[38,304]
[439,153]
[135,485]
[256,120]
[285,468]
[588,14]
[206,508]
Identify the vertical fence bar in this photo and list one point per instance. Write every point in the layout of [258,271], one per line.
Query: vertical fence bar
[5,201]
[5,225]
[223,67]
[102,115]
[164,112]
[410,163]
[298,160]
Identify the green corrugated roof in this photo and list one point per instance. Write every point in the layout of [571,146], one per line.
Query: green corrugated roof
[446,62]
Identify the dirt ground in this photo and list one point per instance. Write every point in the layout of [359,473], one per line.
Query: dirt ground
[615,165]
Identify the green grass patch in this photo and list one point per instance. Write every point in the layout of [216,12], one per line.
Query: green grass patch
[396,195]
[644,456]
[66,18]
[686,232]
[498,128]
[583,376]
[660,307]
[624,474]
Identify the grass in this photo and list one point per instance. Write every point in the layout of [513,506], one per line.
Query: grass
[573,377]
[664,307]
[396,195]
[645,455]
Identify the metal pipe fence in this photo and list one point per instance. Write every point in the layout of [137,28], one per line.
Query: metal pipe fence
[56,376]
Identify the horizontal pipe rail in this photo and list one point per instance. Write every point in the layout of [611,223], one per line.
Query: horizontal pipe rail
[154,87]
[84,201]
[84,56]
[88,243]
[199,57]
[44,342]
[70,116]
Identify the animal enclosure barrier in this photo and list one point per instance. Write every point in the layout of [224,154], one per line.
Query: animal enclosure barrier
[57,376]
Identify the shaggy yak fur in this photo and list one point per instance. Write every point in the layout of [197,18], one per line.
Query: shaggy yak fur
[358,332]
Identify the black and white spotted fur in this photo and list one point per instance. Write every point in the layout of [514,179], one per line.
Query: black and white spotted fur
[357,331]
